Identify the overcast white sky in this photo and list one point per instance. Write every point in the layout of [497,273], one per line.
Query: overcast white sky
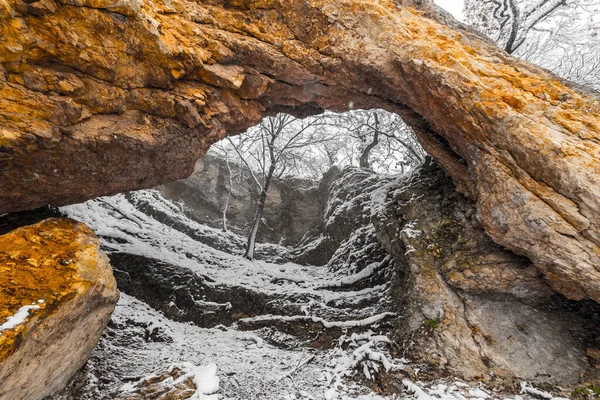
[453,6]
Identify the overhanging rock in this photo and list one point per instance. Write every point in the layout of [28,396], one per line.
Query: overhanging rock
[101,96]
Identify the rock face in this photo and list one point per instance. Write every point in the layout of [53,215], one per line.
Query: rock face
[293,207]
[345,235]
[113,96]
[469,306]
[58,294]
[464,305]
[180,294]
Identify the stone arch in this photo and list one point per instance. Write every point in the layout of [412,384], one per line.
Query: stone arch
[102,96]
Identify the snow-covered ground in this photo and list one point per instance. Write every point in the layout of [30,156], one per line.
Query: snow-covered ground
[124,228]
[251,358]
[249,368]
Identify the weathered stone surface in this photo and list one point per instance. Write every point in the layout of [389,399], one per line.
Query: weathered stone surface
[111,96]
[345,235]
[182,295]
[56,268]
[470,307]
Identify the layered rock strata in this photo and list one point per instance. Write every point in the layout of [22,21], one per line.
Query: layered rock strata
[469,307]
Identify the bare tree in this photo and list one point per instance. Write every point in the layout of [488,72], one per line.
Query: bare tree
[221,151]
[512,20]
[384,142]
[560,35]
[230,188]
[284,145]
[278,146]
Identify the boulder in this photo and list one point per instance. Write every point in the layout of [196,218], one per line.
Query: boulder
[58,293]
[176,382]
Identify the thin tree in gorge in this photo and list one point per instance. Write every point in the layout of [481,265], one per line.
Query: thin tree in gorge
[560,35]
[384,140]
[279,145]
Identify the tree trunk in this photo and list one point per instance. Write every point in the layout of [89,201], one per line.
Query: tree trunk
[364,161]
[514,27]
[260,208]
[226,206]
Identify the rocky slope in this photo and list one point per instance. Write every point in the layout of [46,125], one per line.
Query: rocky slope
[466,305]
[254,319]
[411,246]
[469,306]
[113,96]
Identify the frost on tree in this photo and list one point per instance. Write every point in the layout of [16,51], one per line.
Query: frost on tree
[560,35]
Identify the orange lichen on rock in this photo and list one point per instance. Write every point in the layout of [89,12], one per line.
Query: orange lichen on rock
[40,262]
[60,287]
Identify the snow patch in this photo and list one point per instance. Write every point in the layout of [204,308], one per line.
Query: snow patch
[206,381]
[527,388]
[327,324]
[419,394]
[367,354]
[20,316]
[204,377]
[361,275]
[410,232]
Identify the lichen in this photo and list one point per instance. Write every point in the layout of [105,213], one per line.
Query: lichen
[40,264]
[588,392]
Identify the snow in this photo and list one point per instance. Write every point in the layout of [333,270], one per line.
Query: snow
[244,369]
[381,194]
[410,232]
[419,394]
[327,324]
[365,353]
[527,388]
[249,366]
[478,393]
[20,316]
[143,235]
[204,377]
[227,363]
[354,297]
[463,391]
[258,342]
[206,381]
[409,249]
[361,275]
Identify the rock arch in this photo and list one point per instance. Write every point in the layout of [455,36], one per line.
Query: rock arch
[102,96]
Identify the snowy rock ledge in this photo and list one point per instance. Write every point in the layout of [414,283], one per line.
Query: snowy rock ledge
[58,293]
